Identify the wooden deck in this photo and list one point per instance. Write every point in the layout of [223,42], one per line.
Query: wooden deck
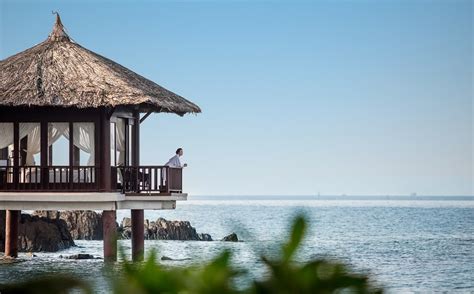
[87,201]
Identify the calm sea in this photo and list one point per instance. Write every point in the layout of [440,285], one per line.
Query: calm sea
[406,244]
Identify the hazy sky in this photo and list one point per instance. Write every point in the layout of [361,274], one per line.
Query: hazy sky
[336,97]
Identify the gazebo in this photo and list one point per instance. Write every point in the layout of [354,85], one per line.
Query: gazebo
[61,96]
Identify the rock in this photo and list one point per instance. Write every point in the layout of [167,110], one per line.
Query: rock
[231,238]
[204,237]
[162,229]
[169,258]
[80,256]
[82,224]
[10,260]
[126,222]
[37,233]
[87,225]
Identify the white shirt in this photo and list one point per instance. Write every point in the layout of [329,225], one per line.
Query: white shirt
[174,161]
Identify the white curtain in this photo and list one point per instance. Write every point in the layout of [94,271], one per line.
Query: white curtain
[6,134]
[33,143]
[55,131]
[84,139]
[120,138]
[32,130]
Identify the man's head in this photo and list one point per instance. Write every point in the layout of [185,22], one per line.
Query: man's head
[179,151]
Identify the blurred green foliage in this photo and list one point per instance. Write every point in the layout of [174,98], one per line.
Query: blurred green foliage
[218,276]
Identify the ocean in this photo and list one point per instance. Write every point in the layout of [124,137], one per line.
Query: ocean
[405,244]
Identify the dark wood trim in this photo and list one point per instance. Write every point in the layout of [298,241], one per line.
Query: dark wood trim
[50,155]
[136,140]
[115,143]
[127,144]
[16,153]
[23,148]
[52,114]
[145,116]
[105,168]
[76,156]
[71,154]
[45,157]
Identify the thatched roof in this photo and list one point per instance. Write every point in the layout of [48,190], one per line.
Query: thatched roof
[60,72]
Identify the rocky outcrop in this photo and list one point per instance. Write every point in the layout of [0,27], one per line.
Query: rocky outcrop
[37,233]
[82,224]
[53,230]
[231,238]
[80,256]
[162,229]
[174,259]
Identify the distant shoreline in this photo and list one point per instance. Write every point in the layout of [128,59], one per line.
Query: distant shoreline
[330,197]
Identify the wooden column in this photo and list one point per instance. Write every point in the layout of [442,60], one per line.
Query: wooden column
[16,154]
[76,156]
[136,139]
[138,234]
[11,233]
[46,154]
[23,148]
[71,155]
[105,176]
[109,227]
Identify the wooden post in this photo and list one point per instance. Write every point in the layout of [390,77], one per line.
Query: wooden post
[23,147]
[104,153]
[16,154]
[138,235]
[136,140]
[11,233]
[109,227]
[46,154]
[76,156]
[70,176]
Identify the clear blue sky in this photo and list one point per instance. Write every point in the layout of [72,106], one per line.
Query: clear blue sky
[336,97]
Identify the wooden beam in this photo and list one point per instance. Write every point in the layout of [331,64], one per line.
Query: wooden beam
[52,114]
[145,116]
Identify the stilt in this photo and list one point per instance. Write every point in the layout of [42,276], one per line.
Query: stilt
[110,235]
[11,233]
[138,236]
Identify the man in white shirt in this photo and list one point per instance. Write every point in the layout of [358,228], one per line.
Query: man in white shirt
[174,161]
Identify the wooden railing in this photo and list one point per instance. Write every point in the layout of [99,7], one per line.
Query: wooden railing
[51,178]
[127,179]
[163,179]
